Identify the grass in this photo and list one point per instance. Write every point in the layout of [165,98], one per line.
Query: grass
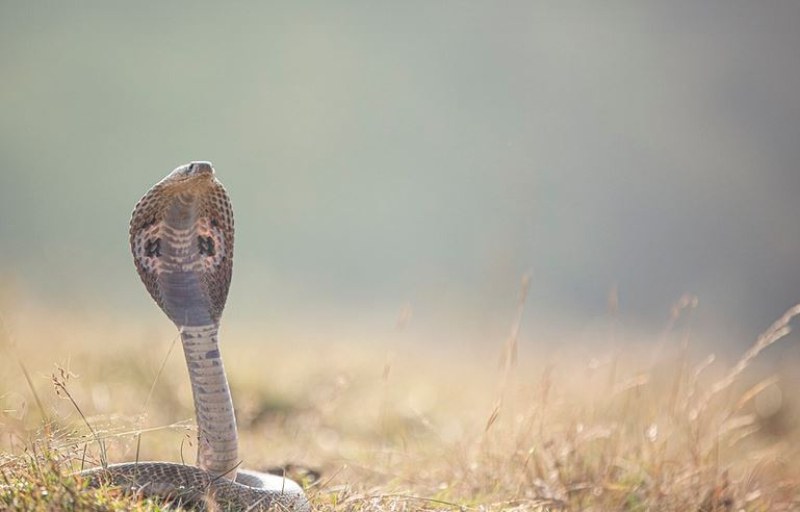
[631,427]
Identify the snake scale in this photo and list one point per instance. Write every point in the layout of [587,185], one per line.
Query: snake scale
[181,236]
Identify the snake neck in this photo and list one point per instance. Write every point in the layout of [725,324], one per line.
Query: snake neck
[216,422]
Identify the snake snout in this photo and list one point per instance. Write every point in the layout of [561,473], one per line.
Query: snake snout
[201,168]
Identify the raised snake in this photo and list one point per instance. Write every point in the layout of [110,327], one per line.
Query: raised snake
[181,236]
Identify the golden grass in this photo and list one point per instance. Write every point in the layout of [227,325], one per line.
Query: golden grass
[406,427]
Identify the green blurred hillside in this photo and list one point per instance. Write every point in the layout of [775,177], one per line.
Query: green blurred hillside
[416,153]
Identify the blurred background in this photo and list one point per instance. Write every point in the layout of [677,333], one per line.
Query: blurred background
[405,164]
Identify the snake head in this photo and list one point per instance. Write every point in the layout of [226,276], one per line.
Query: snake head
[192,170]
[191,177]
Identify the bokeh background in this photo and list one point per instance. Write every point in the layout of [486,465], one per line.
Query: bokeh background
[413,160]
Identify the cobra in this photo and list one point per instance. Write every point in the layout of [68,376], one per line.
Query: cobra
[181,236]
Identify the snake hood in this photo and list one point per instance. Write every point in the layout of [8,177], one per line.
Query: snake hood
[181,236]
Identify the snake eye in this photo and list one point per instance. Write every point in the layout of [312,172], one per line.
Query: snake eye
[153,248]
[206,244]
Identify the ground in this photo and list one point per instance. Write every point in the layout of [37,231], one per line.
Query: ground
[654,424]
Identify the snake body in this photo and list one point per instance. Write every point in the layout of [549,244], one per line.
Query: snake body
[181,236]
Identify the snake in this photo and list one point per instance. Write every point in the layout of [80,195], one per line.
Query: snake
[181,237]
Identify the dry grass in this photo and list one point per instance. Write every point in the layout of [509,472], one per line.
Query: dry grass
[407,428]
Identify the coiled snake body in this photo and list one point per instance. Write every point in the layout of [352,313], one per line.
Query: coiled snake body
[181,236]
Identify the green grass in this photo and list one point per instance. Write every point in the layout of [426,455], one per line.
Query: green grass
[630,427]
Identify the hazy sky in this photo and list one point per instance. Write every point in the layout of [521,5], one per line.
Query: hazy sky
[421,153]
